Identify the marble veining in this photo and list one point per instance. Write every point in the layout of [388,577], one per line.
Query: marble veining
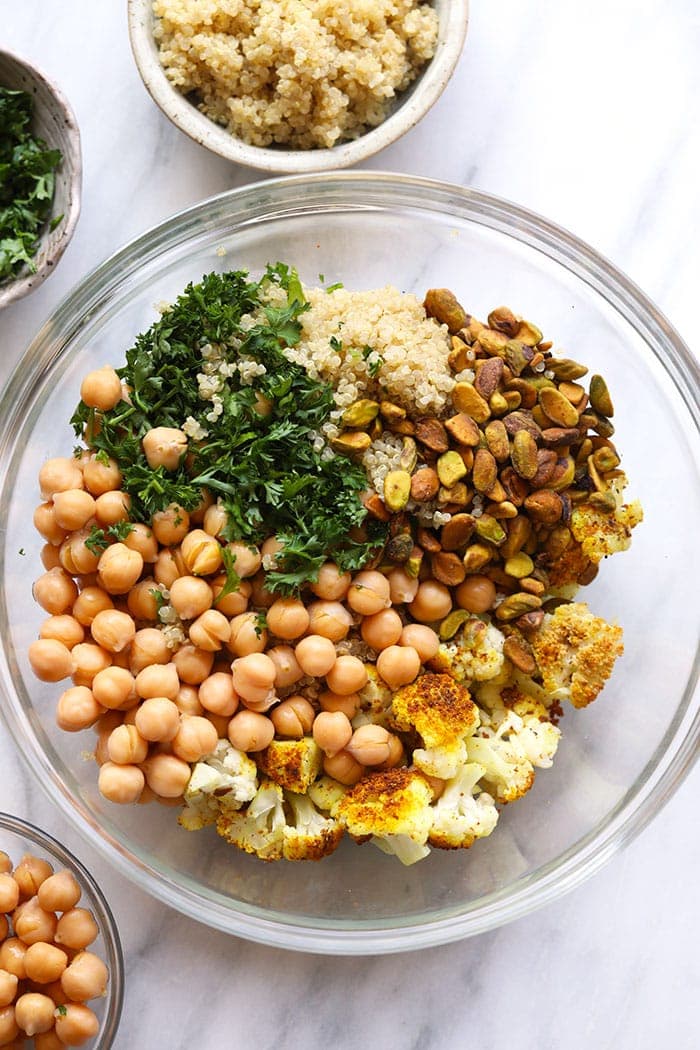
[589,114]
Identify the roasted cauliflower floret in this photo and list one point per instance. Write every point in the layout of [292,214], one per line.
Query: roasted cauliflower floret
[375,699]
[601,534]
[259,829]
[463,812]
[575,653]
[476,654]
[393,807]
[326,793]
[311,836]
[293,764]
[507,770]
[227,779]
[443,713]
[530,721]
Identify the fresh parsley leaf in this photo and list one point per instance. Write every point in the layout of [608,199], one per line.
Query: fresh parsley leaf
[374,365]
[159,597]
[233,580]
[260,623]
[336,344]
[334,287]
[96,541]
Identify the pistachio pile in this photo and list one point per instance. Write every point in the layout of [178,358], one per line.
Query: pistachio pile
[522,444]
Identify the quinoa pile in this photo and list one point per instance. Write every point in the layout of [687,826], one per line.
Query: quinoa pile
[298,73]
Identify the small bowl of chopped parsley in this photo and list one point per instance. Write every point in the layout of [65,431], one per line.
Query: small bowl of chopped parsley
[40,177]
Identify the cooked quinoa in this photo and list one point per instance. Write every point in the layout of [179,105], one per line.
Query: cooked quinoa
[297,73]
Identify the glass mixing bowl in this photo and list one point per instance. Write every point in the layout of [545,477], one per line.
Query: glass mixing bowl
[18,837]
[618,760]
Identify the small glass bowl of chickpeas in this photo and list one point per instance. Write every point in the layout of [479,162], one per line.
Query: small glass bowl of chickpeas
[61,966]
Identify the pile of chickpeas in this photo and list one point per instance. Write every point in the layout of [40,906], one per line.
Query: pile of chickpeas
[47,973]
[160,705]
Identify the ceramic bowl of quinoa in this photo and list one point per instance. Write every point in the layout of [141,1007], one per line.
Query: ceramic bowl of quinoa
[290,87]
[451,423]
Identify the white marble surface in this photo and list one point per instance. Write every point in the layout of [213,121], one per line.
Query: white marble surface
[589,114]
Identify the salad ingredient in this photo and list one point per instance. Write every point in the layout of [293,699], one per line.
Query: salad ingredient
[27,181]
[297,74]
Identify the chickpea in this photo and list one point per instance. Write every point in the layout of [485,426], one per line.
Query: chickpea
[402,587]
[8,988]
[126,746]
[343,768]
[12,953]
[76,557]
[247,635]
[89,602]
[9,893]
[44,963]
[332,585]
[247,558]
[59,475]
[34,1013]
[349,704]
[369,745]
[250,731]
[260,596]
[348,675]
[158,680]
[231,604]
[190,596]
[48,1041]
[4,927]
[287,618]
[216,694]
[170,526]
[197,513]
[270,549]
[77,709]
[63,628]
[46,525]
[168,567]
[166,775]
[60,892]
[157,719]
[142,540]
[398,665]
[85,977]
[35,924]
[49,557]
[141,601]
[288,671]
[201,553]
[382,629]
[210,631]
[187,701]
[76,1025]
[50,660]
[369,593]
[293,718]
[477,594]
[112,507]
[147,648]
[192,665]
[101,477]
[433,601]
[397,755]
[253,676]
[332,731]
[195,739]
[119,568]
[30,873]
[5,863]
[77,928]
[215,521]
[73,508]
[113,630]
[329,619]
[316,655]
[101,389]
[164,447]
[88,660]
[122,784]
[421,638]
[8,1025]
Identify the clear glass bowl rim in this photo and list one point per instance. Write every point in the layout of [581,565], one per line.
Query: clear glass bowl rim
[239,208]
[105,918]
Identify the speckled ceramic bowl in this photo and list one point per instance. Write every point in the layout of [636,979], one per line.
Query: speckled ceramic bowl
[54,121]
[410,107]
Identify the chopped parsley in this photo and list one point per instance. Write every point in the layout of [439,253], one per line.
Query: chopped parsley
[99,539]
[233,580]
[262,467]
[27,182]
[374,361]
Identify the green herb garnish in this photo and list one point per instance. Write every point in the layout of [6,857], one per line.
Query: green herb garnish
[99,539]
[233,580]
[263,468]
[27,182]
